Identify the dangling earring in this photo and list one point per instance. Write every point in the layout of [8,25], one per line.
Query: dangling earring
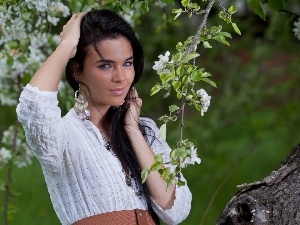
[81,104]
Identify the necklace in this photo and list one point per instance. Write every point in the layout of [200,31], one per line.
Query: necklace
[107,145]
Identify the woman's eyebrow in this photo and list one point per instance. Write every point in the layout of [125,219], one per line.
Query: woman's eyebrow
[111,61]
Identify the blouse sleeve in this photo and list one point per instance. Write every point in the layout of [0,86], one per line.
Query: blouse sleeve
[182,204]
[40,116]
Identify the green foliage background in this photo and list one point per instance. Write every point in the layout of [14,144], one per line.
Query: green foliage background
[250,127]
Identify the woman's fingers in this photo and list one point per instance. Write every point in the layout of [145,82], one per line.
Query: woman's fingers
[71,32]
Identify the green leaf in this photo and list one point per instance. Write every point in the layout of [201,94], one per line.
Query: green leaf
[179,95]
[257,8]
[166,77]
[193,6]
[209,82]
[159,157]
[236,29]
[190,56]
[216,29]
[222,15]
[173,118]
[180,70]
[221,39]
[196,75]
[206,44]
[232,9]
[176,84]
[189,97]
[198,107]
[163,132]
[180,152]
[185,3]
[225,34]
[184,79]
[144,6]
[166,173]
[164,118]
[156,166]
[156,88]
[275,5]
[173,108]
[144,175]
[177,57]
[206,74]
[180,183]
[178,12]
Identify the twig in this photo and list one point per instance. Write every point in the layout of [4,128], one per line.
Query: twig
[194,42]
[181,123]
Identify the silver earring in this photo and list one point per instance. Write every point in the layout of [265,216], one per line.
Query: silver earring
[81,104]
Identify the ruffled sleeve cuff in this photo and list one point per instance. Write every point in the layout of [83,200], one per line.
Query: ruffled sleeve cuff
[38,106]
[180,209]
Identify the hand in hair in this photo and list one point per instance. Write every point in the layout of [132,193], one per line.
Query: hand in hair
[49,74]
[71,32]
[133,112]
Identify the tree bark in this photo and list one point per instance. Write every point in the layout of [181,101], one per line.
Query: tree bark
[275,200]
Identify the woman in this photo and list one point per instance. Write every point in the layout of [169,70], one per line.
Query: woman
[92,158]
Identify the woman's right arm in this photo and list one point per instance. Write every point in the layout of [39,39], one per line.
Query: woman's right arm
[49,74]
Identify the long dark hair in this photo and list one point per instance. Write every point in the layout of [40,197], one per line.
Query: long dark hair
[96,26]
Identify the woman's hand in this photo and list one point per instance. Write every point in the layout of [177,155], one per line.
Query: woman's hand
[71,32]
[133,113]
[49,74]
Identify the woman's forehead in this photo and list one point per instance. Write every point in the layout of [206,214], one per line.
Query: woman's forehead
[111,48]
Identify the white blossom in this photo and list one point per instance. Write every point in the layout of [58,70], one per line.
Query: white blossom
[5,156]
[204,99]
[24,158]
[52,19]
[23,154]
[40,5]
[296,30]
[161,65]
[192,157]
[59,7]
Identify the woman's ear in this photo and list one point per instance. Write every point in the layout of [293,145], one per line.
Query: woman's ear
[75,69]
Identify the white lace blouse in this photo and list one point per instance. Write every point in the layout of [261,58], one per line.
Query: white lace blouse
[82,176]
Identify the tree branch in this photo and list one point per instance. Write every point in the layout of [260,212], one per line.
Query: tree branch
[194,42]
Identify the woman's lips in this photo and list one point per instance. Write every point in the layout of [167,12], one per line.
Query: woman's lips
[118,91]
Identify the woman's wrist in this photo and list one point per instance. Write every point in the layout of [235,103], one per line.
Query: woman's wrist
[68,47]
[132,131]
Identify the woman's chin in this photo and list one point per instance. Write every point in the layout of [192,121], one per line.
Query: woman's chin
[118,104]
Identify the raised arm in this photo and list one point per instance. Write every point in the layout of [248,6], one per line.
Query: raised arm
[145,156]
[49,74]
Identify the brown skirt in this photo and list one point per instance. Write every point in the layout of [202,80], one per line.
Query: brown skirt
[124,217]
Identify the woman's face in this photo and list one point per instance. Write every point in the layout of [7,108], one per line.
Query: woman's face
[109,77]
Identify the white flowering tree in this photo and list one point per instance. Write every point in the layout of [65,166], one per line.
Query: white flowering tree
[28,34]
[26,39]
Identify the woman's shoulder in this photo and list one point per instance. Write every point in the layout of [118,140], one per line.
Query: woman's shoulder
[147,121]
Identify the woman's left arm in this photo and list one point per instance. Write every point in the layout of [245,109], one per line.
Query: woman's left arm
[157,187]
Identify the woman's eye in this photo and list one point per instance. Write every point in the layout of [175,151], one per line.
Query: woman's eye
[128,63]
[104,66]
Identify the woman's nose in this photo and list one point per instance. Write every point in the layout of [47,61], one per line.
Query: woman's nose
[119,75]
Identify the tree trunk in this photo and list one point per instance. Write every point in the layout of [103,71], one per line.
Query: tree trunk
[275,200]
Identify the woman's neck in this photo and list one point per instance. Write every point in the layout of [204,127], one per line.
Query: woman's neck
[98,116]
